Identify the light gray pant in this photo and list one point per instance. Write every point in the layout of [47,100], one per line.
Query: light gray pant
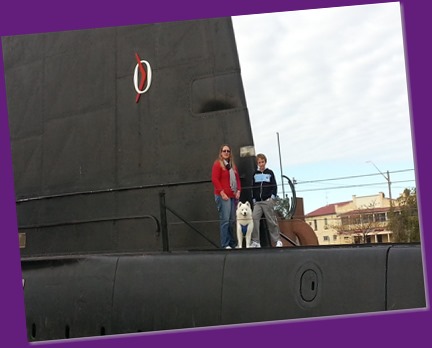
[265,208]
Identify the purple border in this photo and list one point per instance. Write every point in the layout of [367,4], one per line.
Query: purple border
[409,328]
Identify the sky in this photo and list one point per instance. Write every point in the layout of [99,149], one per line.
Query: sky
[327,89]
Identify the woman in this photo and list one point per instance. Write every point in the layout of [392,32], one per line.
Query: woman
[227,188]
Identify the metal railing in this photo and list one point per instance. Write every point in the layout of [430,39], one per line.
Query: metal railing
[164,223]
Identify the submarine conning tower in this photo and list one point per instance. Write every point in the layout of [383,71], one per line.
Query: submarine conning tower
[103,121]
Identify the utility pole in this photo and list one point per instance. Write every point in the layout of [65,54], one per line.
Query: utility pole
[280,163]
[387,177]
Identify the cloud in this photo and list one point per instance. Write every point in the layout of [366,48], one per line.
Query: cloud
[331,82]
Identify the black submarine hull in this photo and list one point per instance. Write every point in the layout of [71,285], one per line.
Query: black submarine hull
[69,297]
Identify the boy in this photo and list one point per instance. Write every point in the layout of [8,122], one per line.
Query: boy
[264,191]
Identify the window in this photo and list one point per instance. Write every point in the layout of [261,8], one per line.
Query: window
[315,225]
[355,220]
[326,239]
[379,217]
[367,218]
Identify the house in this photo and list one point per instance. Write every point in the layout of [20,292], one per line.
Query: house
[363,219]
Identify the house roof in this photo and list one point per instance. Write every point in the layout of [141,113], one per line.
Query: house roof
[331,209]
[365,211]
[326,210]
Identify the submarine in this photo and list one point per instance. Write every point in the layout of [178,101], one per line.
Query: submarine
[113,133]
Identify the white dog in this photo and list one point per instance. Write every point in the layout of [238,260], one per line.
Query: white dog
[244,223]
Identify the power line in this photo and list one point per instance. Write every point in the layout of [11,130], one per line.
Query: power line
[348,177]
[350,186]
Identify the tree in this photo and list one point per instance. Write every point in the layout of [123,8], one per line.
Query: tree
[360,223]
[404,223]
